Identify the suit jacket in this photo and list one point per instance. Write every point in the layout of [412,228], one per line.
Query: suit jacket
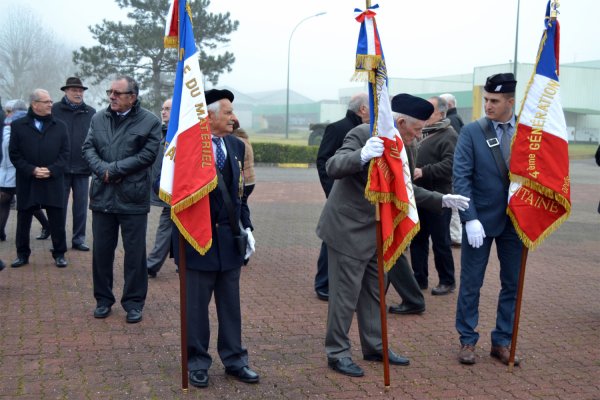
[347,223]
[477,176]
[332,140]
[223,254]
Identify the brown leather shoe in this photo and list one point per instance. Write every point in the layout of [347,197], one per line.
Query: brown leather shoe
[466,355]
[502,353]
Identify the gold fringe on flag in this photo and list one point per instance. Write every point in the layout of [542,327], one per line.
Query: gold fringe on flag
[171,42]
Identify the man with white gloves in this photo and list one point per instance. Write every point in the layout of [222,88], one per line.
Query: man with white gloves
[480,172]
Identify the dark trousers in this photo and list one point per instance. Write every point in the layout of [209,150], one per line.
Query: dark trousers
[105,228]
[5,211]
[436,226]
[80,185]
[226,287]
[322,276]
[162,241]
[402,278]
[57,231]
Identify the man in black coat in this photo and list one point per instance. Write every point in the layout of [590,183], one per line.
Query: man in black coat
[218,271]
[77,117]
[120,148]
[39,149]
[358,113]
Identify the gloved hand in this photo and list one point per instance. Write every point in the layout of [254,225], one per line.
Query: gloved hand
[250,247]
[475,233]
[373,148]
[455,201]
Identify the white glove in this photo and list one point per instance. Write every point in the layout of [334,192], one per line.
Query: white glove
[250,248]
[475,233]
[373,148]
[455,201]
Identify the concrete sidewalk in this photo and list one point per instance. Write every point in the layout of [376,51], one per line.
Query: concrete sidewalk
[52,348]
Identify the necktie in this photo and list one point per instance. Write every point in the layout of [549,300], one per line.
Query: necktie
[505,143]
[219,152]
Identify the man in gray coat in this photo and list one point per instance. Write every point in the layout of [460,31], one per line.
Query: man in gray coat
[120,148]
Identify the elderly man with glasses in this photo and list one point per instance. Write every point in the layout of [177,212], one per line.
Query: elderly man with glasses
[120,148]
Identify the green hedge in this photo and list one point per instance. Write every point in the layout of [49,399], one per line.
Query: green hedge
[284,153]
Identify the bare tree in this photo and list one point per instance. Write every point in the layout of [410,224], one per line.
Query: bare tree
[31,56]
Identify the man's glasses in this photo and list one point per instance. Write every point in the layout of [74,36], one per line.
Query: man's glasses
[166,109]
[116,92]
[43,101]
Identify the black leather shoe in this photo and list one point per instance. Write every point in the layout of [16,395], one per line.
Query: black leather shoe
[44,234]
[19,262]
[199,378]
[81,247]
[60,262]
[244,374]
[152,273]
[403,309]
[394,358]
[346,366]
[322,295]
[2,265]
[101,311]
[134,316]
[441,289]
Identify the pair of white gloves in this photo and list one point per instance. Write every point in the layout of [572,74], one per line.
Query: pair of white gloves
[251,246]
[374,148]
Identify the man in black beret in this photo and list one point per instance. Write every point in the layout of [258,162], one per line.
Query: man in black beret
[218,271]
[480,171]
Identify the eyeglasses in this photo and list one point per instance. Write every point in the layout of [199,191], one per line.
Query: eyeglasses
[116,92]
[43,101]
[166,109]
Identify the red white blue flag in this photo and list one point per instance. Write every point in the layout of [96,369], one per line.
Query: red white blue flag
[540,192]
[188,170]
[389,181]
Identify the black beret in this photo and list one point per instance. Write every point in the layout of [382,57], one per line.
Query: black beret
[413,106]
[214,95]
[501,83]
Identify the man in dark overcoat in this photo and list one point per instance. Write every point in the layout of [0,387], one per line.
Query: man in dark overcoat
[218,271]
[39,149]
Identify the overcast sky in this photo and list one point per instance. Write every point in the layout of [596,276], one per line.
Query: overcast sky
[420,38]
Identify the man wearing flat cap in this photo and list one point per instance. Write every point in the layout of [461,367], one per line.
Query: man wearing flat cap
[218,271]
[76,115]
[480,172]
[120,148]
[347,226]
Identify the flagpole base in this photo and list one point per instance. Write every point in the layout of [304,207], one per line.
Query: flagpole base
[511,366]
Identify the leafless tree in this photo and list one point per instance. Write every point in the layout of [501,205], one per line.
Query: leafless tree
[31,56]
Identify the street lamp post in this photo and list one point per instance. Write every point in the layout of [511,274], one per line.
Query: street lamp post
[287,97]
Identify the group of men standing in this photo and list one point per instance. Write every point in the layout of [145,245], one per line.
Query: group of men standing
[445,162]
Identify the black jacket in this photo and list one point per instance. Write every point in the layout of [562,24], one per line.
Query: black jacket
[78,124]
[126,150]
[455,119]
[332,140]
[30,148]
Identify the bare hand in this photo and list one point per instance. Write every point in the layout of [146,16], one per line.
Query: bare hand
[41,172]
[417,173]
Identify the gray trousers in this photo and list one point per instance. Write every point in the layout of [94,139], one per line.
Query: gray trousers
[353,286]
[402,278]
[162,242]
[80,185]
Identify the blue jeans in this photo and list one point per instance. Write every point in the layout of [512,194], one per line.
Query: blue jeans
[473,264]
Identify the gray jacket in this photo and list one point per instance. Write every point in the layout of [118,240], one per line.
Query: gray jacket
[126,150]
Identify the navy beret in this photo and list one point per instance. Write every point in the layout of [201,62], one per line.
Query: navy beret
[413,106]
[501,83]
[214,95]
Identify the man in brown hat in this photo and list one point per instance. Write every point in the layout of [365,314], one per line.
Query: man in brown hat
[77,116]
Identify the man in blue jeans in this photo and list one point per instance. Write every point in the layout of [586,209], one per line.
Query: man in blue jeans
[481,172]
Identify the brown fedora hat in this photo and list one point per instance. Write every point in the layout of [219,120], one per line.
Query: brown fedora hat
[73,82]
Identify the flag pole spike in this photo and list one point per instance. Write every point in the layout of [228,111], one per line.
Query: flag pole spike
[554,9]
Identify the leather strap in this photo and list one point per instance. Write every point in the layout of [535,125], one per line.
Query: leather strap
[494,145]
[227,200]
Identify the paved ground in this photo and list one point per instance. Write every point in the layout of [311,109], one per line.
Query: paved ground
[52,348]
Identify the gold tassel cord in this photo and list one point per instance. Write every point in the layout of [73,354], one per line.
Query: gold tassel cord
[193,198]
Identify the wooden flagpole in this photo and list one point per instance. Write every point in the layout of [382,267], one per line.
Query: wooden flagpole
[183,313]
[382,306]
[515,332]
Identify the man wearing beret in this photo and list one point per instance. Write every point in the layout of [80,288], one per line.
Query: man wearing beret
[77,116]
[480,172]
[218,271]
[120,148]
[347,226]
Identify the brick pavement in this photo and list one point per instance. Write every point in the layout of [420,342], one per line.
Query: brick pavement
[52,348]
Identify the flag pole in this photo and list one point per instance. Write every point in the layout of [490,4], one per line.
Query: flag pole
[515,332]
[381,278]
[183,313]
